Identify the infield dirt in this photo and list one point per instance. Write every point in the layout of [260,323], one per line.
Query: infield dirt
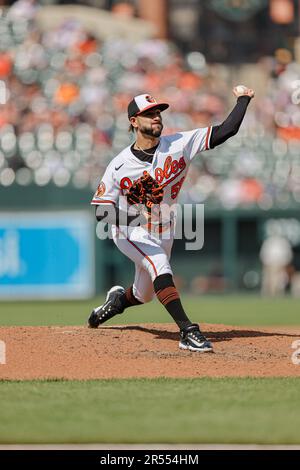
[147,350]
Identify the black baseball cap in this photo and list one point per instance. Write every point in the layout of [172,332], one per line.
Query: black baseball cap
[141,103]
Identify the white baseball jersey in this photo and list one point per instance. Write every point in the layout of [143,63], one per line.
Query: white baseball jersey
[169,167]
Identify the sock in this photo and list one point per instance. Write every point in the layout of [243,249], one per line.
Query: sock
[167,294]
[128,300]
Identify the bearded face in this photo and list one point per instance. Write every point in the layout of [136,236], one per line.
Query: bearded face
[150,123]
[153,130]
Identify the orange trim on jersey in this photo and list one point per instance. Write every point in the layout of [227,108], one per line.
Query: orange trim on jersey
[208,138]
[174,177]
[100,201]
[142,253]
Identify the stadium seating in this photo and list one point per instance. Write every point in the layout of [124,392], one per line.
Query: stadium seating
[65,116]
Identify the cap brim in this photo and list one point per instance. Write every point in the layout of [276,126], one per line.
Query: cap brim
[160,106]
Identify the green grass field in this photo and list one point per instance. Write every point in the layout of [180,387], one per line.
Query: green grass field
[230,310]
[204,410]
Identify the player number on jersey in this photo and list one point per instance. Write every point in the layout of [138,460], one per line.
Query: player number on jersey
[176,188]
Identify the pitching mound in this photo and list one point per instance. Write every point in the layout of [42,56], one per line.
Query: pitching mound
[149,350]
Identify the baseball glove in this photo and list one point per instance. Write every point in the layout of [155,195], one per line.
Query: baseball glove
[146,191]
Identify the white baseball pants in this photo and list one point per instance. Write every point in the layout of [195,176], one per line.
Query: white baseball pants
[150,255]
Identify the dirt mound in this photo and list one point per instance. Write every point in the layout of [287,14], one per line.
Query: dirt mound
[148,350]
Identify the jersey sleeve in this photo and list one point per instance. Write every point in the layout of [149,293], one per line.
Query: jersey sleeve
[108,190]
[196,141]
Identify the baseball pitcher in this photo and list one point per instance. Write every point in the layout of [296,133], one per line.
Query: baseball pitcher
[142,178]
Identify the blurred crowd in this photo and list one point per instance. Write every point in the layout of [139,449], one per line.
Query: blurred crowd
[64,96]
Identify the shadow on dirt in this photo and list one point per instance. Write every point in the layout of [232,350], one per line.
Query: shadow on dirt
[215,337]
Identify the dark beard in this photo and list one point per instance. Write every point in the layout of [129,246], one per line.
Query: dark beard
[151,132]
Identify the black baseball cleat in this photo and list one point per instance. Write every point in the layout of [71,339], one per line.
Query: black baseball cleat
[191,338]
[111,307]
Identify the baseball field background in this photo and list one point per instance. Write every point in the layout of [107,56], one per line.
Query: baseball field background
[261,410]
[67,74]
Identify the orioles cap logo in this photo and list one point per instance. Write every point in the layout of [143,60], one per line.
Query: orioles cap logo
[101,189]
[150,99]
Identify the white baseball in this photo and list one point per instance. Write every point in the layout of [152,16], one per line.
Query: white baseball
[241,89]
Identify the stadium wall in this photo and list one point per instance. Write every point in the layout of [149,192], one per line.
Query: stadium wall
[228,261]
